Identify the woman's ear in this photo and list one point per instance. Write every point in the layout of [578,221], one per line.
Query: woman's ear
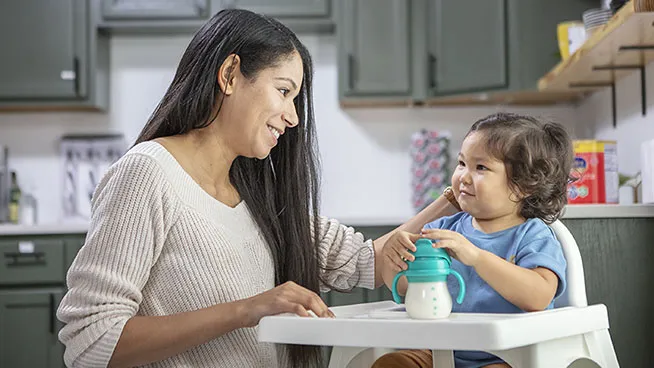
[227,74]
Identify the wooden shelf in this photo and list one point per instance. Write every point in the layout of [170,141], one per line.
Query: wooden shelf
[623,43]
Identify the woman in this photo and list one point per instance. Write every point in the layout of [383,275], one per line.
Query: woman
[210,221]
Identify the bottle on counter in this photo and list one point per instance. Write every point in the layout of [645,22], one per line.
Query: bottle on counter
[28,206]
[14,199]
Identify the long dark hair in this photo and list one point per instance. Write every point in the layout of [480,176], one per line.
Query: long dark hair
[281,190]
[538,156]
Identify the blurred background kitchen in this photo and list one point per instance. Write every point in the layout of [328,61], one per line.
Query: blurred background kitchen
[397,85]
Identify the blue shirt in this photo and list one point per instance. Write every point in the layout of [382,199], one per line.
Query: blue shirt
[529,245]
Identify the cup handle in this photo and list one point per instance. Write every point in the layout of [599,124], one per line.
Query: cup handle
[462,286]
[396,297]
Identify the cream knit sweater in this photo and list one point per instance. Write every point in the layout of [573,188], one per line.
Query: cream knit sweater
[158,244]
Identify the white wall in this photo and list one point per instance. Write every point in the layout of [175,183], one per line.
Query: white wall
[364,151]
[632,128]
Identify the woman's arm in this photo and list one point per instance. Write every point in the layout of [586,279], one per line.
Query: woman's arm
[438,208]
[150,339]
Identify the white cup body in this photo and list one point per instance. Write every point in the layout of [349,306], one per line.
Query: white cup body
[428,300]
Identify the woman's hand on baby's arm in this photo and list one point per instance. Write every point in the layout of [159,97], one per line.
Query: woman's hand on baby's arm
[457,245]
[396,250]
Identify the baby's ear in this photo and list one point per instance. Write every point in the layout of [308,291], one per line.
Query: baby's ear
[517,195]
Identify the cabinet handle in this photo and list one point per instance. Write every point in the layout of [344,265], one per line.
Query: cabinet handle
[351,67]
[76,70]
[432,71]
[52,314]
[38,258]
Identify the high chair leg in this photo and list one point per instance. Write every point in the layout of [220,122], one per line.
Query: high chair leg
[443,358]
[561,353]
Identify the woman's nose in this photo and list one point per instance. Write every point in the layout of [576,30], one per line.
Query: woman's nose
[290,116]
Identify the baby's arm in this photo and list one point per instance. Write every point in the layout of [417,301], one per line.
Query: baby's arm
[527,285]
[528,289]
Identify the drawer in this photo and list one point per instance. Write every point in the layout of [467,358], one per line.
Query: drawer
[31,261]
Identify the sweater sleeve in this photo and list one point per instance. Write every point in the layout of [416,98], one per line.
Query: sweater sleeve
[346,259]
[131,215]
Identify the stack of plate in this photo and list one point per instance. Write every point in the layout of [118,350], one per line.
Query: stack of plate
[594,18]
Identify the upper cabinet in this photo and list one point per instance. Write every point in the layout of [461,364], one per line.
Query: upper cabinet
[467,46]
[374,36]
[284,8]
[50,56]
[188,15]
[448,51]
[155,9]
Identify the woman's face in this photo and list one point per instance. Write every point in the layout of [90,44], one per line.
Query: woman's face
[257,112]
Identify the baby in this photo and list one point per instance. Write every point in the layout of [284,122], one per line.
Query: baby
[510,182]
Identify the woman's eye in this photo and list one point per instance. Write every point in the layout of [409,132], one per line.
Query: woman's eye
[284,91]
[481,167]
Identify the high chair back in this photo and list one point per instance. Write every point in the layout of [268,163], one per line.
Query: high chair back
[575,293]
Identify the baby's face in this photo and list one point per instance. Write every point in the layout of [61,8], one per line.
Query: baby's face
[480,182]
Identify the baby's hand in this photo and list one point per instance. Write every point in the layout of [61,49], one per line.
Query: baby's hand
[396,250]
[456,244]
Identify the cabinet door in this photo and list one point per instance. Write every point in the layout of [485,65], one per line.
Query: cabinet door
[284,8]
[28,329]
[374,52]
[154,9]
[42,49]
[467,45]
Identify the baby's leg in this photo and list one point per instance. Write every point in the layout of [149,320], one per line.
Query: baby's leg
[405,359]
[415,359]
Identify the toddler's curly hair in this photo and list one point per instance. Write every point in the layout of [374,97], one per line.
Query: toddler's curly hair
[538,157]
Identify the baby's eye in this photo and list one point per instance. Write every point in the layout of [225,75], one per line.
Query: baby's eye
[461,163]
[481,167]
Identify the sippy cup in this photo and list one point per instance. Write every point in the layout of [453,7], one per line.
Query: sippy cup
[428,296]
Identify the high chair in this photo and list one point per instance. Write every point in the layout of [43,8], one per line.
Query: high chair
[593,344]
[549,339]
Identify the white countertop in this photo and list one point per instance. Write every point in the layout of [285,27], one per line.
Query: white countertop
[45,229]
[577,211]
[580,211]
[590,211]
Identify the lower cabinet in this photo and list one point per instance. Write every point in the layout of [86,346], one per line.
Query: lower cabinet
[32,284]
[29,327]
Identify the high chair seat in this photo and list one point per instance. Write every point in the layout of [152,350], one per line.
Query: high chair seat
[549,339]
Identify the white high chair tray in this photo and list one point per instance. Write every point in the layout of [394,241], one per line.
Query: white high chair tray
[385,325]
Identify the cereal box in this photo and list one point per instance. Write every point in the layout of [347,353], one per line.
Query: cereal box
[596,167]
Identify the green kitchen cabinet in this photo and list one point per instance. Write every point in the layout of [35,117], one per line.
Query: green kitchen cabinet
[374,45]
[302,16]
[423,51]
[533,46]
[467,46]
[617,255]
[284,8]
[155,9]
[186,16]
[50,56]
[32,283]
[31,261]
[29,327]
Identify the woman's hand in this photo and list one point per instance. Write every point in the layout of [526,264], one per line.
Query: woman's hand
[286,298]
[396,250]
[456,244]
